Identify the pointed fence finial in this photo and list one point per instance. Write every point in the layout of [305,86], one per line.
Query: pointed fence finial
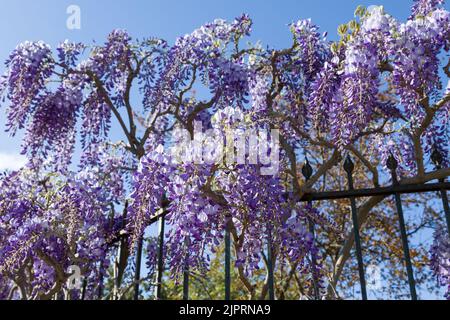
[392,163]
[307,170]
[349,166]
[436,156]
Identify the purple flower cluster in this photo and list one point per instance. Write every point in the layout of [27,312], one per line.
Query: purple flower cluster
[416,61]
[312,48]
[29,66]
[69,52]
[95,127]
[424,7]
[150,185]
[54,123]
[196,221]
[48,224]
[230,80]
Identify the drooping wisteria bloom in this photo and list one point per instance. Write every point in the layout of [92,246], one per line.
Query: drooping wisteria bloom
[312,48]
[49,224]
[150,184]
[29,66]
[424,7]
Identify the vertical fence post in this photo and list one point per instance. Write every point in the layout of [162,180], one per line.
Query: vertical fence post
[307,172]
[100,285]
[270,265]
[160,271]
[137,274]
[186,283]
[393,165]
[122,256]
[83,289]
[186,271]
[349,167]
[227,261]
[436,157]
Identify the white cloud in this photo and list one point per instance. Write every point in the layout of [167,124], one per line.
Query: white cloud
[10,161]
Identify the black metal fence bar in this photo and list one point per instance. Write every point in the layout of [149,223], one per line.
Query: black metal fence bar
[436,157]
[160,271]
[137,274]
[307,172]
[270,266]
[186,273]
[349,168]
[392,165]
[227,263]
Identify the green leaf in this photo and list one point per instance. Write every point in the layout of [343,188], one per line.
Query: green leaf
[360,11]
[342,30]
[353,25]
[334,47]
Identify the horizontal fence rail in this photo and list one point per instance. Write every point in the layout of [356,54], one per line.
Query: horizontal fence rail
[357,193]
[382,191]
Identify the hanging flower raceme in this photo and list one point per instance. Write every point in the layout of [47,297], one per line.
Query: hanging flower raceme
[357,95]
[375,91]
[28,68]
[152,251]
[298,247]
[258,90]
[7,291]
[400,147]
[416,62]
[312,49]
[17,230]
[343,95]
[52,129]
[96,121]
[194,219]
[323,95]
[110,59]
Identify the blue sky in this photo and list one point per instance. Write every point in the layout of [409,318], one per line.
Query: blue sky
[22,20]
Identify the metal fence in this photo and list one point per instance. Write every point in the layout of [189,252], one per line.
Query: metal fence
[395,190]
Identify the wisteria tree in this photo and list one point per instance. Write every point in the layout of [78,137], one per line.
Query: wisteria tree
[380,90]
